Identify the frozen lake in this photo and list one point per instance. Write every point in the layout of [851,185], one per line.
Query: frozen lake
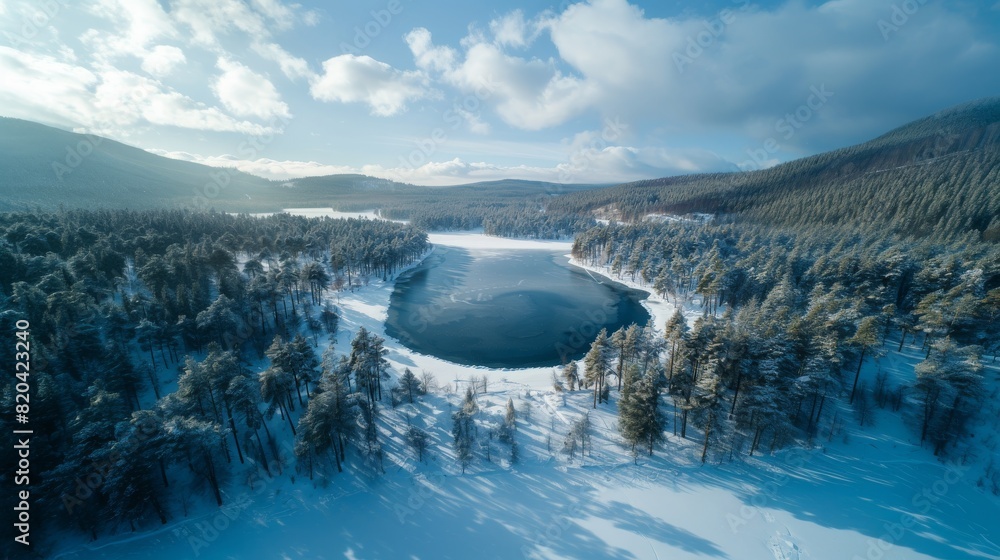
[506,308]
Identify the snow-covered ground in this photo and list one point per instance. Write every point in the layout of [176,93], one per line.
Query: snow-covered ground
[868,493]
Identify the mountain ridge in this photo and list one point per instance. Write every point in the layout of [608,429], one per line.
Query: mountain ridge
[936,176]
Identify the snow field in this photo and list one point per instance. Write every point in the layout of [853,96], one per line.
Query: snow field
[853,493]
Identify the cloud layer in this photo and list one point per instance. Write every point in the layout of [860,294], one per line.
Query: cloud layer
[694,91]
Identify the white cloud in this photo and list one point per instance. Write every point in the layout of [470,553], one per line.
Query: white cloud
[246,93]
[46,89]
[207,19]
[473,122]
[734,69]
[585,164]
[263,167]
[127,99]
[428,56]
[141,23]
[162,59]
[730,70]
[311,18]
[362,79]
[292,66]
[511,30]
[107,101]
[281,15]
[528,94]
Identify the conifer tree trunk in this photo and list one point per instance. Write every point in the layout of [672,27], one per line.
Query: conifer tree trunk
[857,375]
[212,476]
[263,456]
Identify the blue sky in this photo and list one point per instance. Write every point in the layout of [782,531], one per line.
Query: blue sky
[452,92]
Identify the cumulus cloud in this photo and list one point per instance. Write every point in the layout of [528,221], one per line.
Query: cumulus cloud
[126,99]
[246,93]
[282,16]
[141,23]
[730,69]
[107,101]
[361,79]
[426,55]
[162,59]
[46,89]
[530,94]
[208,19]
[292,66]
[512,30]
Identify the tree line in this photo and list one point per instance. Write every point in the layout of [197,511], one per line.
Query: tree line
[785,321]
[123,304]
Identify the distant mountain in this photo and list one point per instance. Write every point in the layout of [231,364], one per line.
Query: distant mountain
[938,176]
[935,177]
[45,167]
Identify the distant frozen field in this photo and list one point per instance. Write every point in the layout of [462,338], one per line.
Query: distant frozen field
[871,493]
[323,212]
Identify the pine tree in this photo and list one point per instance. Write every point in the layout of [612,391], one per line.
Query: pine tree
[506,431]
[710,407]
[275,388]
[866,339]
[409,384]
[948,386]
[318,432]
[463,429]
[630,410]
[675,332]
[640,418]
[371,446]
[368,363]
[571,375]
[597,363]
[418,440]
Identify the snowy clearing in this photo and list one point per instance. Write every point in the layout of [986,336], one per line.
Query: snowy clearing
[855,493]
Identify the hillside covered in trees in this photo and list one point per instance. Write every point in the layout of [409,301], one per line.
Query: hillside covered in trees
[118,301]
[937,177]
[787,321]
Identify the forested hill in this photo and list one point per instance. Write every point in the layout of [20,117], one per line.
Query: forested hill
[44,167]
[936,177]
